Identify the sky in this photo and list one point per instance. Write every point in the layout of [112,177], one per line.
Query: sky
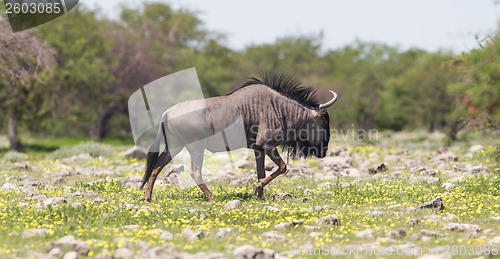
[426,24]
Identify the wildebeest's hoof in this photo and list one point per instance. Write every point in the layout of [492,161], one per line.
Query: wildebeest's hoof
[256,188]
[259,190]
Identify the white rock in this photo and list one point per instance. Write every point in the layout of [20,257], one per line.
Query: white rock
[433,217]
[310,228]
[413,222]
[131,227]
[426,239]
[397,174]
[448,186]
[56,201]
[123,252]
[477,169]
[331,220]
[271,208]
[8,186]
[85,193]
[451,217]
[429,233]
[418,179]
[56,252]
[386,240]
[351,172]
[476,148]
[367,233]
[287,224]
[282,196]
[375,213]
[458,179]
[69,242]
[462,227]
[336,163]
[234,204]
[76,159]
[447,156]
[394,206]
[244,163]
[35,232]
[495,240]
[164,235]
[129,206]
[222,232]
[248,251]
[340,151]
[397,233]
[192,234]
[438,256]
[274,235]
[135,152]
[315,208]
[71,255]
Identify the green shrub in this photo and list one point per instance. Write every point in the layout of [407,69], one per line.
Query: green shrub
[92,148]
[14,156]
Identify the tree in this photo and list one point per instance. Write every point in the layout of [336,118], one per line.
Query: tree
[82,80]
[22,56]
[359,72]
[477,94]
[417,96]
[100,64]
[296,55]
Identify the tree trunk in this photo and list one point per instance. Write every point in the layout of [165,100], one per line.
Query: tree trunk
[455,125]
[432,126]
[100,127]
[97,129]
[15,144]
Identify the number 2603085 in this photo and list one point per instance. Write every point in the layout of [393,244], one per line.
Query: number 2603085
[472,249]
[33,8]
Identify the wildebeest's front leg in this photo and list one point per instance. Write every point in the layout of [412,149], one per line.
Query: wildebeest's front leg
[275,156]
[261,172]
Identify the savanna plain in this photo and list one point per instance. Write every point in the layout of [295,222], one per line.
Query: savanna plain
[398,195]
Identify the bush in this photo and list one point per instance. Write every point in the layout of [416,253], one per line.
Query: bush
[14,156]
[91,148]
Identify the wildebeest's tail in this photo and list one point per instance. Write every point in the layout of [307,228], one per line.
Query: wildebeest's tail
[151,157]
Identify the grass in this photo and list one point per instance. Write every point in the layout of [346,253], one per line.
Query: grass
[13,157]
[92,148]
[474,200]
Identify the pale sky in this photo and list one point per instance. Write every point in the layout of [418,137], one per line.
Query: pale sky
[426,24]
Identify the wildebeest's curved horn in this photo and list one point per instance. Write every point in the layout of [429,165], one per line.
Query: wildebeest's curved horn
[327,105]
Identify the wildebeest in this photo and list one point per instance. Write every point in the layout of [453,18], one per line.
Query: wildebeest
[276,111]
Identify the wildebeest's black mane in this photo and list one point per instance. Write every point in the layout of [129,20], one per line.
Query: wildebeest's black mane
[287,86]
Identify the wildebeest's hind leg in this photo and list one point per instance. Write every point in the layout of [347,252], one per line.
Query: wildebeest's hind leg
[275,156]
[197,152]
[261,172]
[160,162]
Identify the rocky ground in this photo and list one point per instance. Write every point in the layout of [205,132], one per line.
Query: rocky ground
[400,196]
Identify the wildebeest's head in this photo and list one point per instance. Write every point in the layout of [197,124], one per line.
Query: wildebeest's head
[313,137]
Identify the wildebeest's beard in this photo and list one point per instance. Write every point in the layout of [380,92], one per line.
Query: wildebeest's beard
[311,140]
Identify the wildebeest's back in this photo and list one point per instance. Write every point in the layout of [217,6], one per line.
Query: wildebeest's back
[196,120]
[257,108]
